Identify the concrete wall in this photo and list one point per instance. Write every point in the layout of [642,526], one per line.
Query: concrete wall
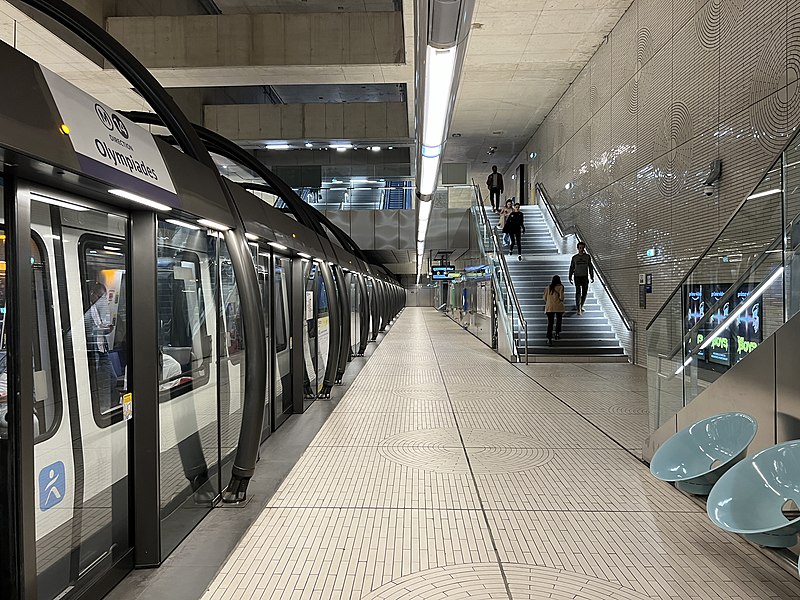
[262,40]
[675,86]
[346,121]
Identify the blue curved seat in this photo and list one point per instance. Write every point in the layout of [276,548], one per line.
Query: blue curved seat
[696,457]
[750,497]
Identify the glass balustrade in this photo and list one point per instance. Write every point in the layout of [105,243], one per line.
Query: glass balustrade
[737,293]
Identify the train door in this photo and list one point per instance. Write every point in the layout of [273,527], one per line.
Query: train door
[79,264]
[261,259]
[322,328]
[310,273]
[281,317]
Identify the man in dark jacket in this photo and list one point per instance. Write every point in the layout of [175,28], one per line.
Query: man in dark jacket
[515,227]
[582,269]
[495,185]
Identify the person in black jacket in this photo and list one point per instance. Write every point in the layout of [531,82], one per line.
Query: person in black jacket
[495,184]
[582,269]
[515,227]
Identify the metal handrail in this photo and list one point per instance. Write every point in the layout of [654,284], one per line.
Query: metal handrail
[504,267]
[626,320]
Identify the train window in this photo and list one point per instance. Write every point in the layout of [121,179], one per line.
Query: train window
[184,341]
[47,406]
[281,343]
[103,271]
[232,313]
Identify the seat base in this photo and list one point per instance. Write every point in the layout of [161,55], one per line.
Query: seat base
[695,487]
[772,540]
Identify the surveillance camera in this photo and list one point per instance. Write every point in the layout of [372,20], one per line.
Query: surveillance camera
[708,190]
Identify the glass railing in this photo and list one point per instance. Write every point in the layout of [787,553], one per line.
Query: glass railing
[737,293]
[359,197]
[508,305]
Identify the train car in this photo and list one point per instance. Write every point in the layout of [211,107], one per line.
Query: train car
[159,321]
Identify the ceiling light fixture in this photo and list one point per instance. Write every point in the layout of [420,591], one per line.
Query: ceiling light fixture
[440,54]
[140,200]
[183,224]
[213,225]
[277,246]
[278,147]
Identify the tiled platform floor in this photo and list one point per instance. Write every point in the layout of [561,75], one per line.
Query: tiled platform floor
[447,473]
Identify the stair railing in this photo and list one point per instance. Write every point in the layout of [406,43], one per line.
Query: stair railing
[628,324]
[501,278]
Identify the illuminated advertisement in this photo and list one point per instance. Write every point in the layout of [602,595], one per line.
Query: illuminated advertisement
[747,333]
[719,352]
[733,345]
[695,307]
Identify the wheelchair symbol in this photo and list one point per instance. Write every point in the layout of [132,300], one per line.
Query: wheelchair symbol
[52,485]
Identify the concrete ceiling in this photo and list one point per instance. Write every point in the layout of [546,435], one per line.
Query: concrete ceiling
[287,6]
[522,57]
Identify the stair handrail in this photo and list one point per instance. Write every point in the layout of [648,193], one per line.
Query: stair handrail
[497,247]
[612,295]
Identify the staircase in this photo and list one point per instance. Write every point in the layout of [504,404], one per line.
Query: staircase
[586,334]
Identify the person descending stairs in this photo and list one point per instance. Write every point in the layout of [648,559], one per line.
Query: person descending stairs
[589,333]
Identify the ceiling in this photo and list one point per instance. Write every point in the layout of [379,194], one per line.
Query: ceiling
[286,6]
[522,57]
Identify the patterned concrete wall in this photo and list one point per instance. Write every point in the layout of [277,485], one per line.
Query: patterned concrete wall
[676,85]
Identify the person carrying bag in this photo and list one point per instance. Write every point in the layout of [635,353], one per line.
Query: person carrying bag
[554,308]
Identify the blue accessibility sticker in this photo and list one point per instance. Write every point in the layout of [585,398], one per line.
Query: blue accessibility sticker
[52,485]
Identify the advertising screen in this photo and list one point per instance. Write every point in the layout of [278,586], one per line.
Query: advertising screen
[747,333]
[719,352]
[695,307]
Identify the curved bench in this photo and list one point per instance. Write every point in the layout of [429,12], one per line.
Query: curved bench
[750,498]
[696,457]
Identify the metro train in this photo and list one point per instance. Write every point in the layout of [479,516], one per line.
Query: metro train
[128,372]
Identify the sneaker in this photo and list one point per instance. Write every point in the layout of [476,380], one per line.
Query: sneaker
[558,336]
[549,342]
[519,257]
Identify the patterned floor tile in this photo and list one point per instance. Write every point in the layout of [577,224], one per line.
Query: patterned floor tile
[310,553]
[580,480]
[659,555]
[368,477]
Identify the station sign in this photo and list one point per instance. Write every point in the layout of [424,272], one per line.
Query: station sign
[442,272]
[110,146]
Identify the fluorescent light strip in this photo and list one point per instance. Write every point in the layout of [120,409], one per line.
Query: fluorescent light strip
[755,295]
[304,255]
[59,203]
[429,173]
[278,147]
[762,194]
[440,66]
[183,224]
[213,225]
[140,200]
[277,246]
[251,236]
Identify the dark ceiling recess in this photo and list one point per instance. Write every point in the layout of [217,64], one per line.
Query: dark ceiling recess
[211,7]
